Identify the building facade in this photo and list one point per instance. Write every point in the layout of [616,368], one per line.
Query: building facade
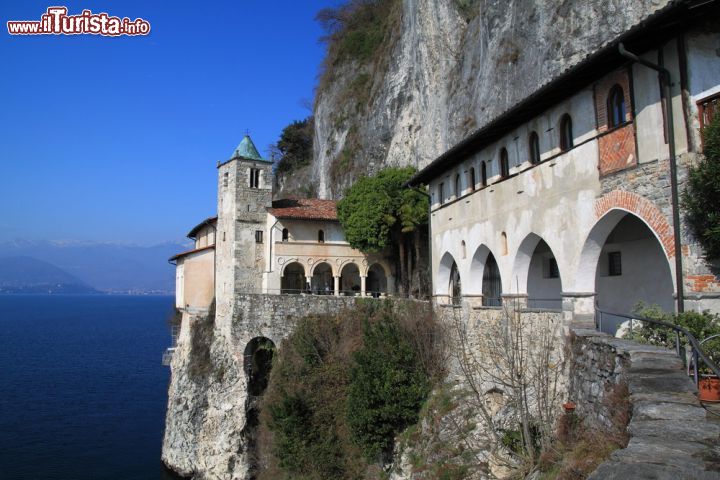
[257,245]
[564,201]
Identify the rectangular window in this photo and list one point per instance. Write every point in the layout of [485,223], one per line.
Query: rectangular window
[614,264]
[254,178]
[553,271]
[225,179]
[258,236]
[707,109]
[441,193]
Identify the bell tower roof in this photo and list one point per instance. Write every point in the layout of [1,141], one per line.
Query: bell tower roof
[247,149]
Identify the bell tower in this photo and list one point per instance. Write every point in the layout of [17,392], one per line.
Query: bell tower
[244,193]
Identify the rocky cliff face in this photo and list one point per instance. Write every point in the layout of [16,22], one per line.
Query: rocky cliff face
[445,68]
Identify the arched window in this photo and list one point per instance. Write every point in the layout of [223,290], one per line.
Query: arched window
[483,173]
[285,235]
[321,236]
[566,133]
[504,163]
[458,186]
[534,147]
[472,179]
[616,107]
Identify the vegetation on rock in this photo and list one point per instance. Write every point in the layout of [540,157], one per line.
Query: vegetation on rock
[702,194]
[342,387]
[294,149]
[701,325]
[379,211]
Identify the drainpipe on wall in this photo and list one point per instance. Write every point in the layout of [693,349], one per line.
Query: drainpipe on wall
[666,82]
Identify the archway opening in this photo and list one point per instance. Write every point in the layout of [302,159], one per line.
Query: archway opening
[631,267]
[455,286]
[257,364]
[376,280]
[322,280]
[491,283]
[544,287]
[350,280]
[293,279]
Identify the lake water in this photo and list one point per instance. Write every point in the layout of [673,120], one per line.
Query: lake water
[82,389]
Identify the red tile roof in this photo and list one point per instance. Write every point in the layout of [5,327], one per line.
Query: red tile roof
[304,209]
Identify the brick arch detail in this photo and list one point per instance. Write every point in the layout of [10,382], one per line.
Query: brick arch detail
[643,208]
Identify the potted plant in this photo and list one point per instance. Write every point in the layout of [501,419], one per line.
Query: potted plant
[708,382]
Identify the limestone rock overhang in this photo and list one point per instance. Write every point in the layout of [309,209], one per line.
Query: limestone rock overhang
[304,209]
[210,221]
[668,22]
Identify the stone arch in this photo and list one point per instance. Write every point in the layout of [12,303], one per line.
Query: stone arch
[587,264]
[350,278]
[377,279]
[381,263]
[445,268]
[293,279]
[523,258]
[317,263]
[473,284]
[289,262]
[642,208]
[257,362]
[322,281]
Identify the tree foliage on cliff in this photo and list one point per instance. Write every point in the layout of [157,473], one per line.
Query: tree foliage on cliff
[306,430]
[355,29]
[294,149]
[387,388]
[376,207]
[702,194]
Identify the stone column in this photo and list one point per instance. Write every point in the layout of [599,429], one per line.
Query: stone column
[308,284]
[362,285]
[336,282]
[579,309]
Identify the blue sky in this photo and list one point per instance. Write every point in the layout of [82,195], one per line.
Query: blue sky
[116,139]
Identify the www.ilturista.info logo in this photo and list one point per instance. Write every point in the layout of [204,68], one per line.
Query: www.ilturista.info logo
[57,22]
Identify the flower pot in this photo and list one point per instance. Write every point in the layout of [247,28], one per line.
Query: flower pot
[709,388]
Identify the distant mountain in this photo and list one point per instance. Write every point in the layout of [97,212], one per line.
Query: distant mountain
[112,268]
[30,275]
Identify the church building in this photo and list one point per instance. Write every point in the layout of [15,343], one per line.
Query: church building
[259,245]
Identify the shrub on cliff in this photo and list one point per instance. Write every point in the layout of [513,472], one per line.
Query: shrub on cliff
[295,146]
[387,388]
[702,194]
[305,431]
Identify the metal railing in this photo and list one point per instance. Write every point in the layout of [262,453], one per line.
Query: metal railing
[696,352]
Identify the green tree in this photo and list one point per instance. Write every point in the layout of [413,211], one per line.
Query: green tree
[379,211]
[702,194]
[295,146]
[387,387]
